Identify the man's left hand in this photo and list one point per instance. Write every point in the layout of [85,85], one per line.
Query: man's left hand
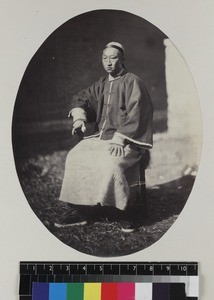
[116,150]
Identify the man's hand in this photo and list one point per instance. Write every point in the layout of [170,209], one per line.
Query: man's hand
[79,124]
[116,150]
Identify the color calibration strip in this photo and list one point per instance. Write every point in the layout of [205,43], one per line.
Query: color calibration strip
[85,275]
[109,291]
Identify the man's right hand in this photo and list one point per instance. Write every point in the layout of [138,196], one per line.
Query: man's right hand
[79,124]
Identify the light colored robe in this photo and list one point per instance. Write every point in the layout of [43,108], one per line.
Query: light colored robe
[94,176]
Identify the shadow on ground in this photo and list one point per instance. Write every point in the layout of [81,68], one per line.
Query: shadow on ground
[41,179]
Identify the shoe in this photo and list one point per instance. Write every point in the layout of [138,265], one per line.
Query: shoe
[128,227]
[132,226]
[74,220]
[57,225]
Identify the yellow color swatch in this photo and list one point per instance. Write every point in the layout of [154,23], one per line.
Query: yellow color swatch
[92,291]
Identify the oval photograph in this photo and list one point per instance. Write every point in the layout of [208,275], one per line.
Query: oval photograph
[107,133]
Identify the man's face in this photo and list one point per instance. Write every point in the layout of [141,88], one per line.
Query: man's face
[112,61]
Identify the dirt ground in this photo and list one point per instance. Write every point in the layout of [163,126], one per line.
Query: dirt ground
[41,179]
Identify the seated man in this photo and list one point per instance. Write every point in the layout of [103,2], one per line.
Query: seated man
[121,108]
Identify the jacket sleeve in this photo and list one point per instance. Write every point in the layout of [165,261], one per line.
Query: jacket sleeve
[136,127]
[86,100]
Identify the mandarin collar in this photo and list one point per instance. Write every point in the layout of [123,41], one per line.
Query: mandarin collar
[121,73]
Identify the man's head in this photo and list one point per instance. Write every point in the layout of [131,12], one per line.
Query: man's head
[113,58]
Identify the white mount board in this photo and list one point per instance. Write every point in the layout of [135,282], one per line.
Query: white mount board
[24,27]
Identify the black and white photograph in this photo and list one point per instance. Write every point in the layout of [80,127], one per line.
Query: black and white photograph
[106,133]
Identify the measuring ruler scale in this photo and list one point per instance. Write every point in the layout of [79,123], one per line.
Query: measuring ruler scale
[152,277]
